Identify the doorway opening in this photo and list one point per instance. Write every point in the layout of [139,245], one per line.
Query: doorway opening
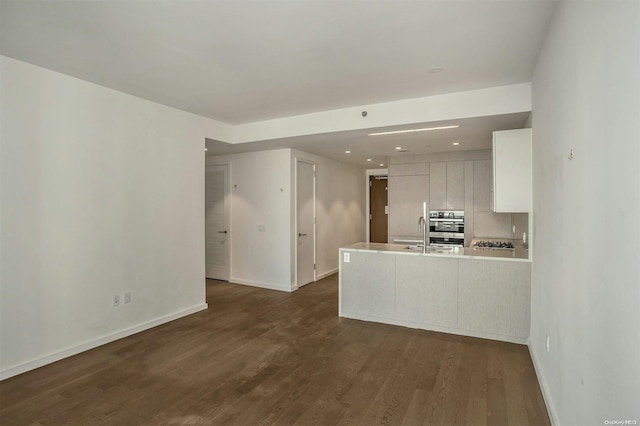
[217,213]
[378,209]
[305,247]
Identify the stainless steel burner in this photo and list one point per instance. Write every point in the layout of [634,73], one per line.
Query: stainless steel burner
[494,245]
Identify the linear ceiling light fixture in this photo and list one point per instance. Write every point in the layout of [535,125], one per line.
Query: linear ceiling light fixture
[414,130]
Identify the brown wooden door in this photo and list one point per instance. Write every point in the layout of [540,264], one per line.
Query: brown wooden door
[377,207]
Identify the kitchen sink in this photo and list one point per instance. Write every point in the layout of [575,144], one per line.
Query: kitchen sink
[430,249]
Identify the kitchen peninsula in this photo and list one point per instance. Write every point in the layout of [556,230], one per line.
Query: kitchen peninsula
[466,291]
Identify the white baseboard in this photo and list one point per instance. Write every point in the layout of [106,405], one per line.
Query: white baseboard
[94,343]
[326,274]
[295,287]
[422,326]
[553,416]
[260,284]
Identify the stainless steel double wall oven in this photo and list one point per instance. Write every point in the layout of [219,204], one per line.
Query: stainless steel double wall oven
[446,228]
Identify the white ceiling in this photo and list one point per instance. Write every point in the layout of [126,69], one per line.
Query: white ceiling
[473,133]
[239,61]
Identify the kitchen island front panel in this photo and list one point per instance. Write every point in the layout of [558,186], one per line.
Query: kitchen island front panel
[426,290]
[471,296]
[494,296]
[369,292]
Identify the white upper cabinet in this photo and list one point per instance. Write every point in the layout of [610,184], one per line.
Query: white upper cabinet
[455,185]
[409,169]
[512,173]
[446,185]
[438,186]
[406,196]
[482,186]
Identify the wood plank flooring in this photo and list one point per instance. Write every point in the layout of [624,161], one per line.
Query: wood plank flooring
[262,357]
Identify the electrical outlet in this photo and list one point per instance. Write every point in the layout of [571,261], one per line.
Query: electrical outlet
[127,297]
[116,300]
[547,345]
[347,257]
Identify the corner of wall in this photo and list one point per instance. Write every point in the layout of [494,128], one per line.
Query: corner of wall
[548,402]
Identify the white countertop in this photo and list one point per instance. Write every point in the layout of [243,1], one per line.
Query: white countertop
[519,254]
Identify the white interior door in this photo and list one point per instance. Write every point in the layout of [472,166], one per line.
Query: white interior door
[305,223]
[217,222]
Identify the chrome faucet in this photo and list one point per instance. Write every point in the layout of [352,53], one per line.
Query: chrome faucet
[422,226]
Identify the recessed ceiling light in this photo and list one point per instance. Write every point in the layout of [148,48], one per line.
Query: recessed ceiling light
[456,143]
[434,70]
[381,164]
[398,148]
[368,159]
[347,152]
[205,149]
[414,130]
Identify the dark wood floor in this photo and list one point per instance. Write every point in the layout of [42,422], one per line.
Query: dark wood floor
[266,357]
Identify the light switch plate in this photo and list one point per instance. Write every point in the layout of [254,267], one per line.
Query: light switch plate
[346,257]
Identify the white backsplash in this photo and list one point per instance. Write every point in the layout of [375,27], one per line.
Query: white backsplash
[521,223]
[492,225]
[500,225]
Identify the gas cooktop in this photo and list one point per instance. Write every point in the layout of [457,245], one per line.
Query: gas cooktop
[506,245]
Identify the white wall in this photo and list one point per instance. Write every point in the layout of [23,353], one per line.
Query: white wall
[340,209]
[260,195]
[102,193]
[586,276]
[450,106]
[267,259]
